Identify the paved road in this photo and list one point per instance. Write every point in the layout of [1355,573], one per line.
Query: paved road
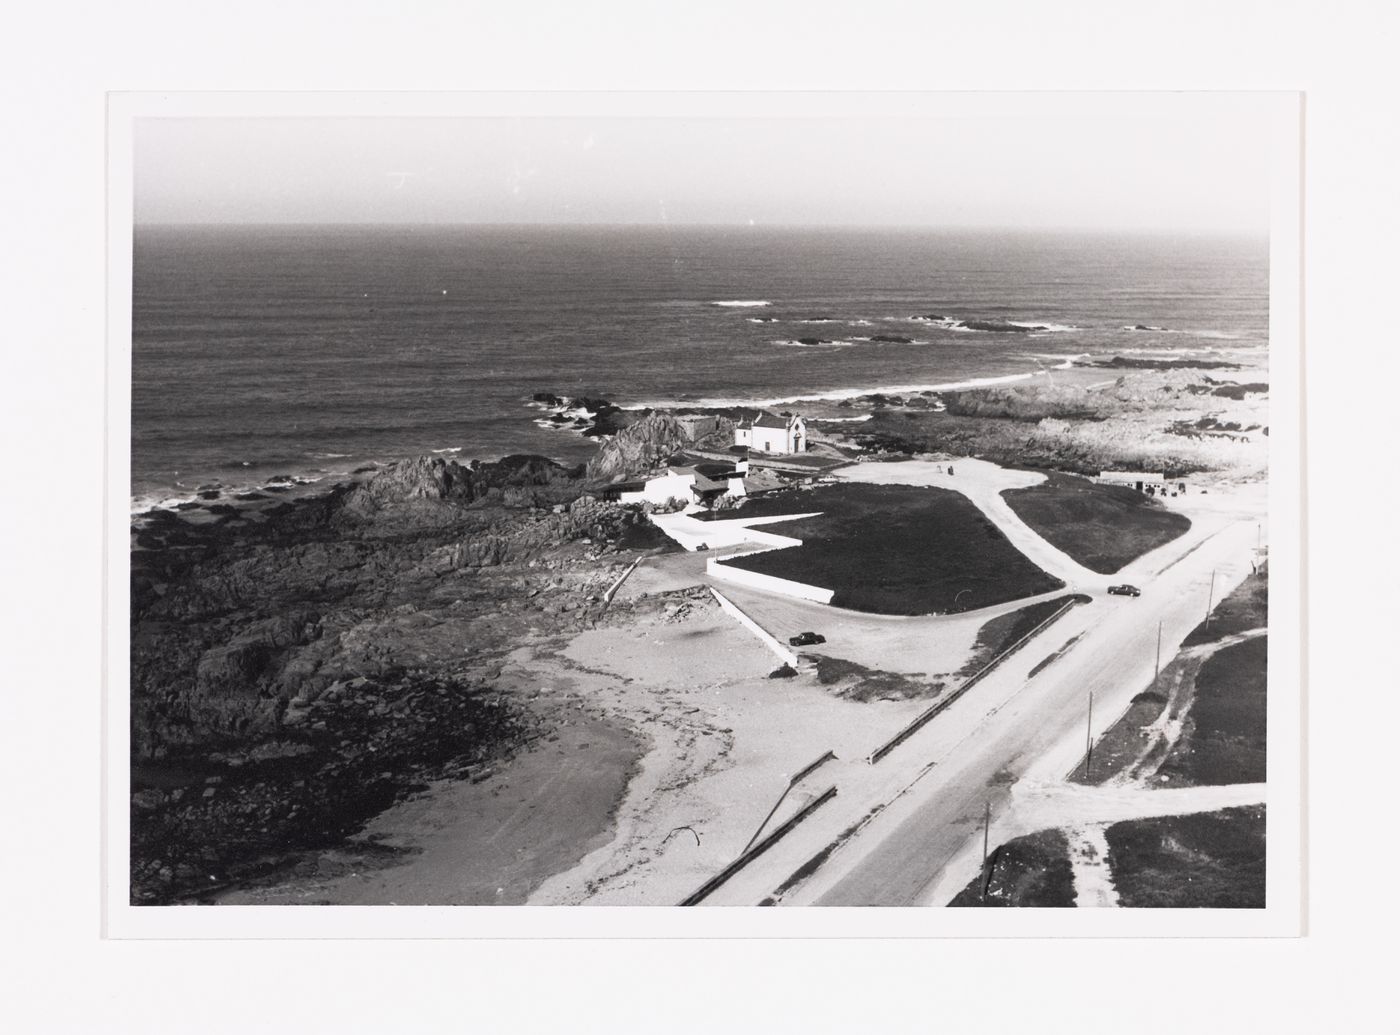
[1037,736]
[919,813]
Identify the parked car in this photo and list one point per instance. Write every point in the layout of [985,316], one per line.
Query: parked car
[806,639]
[1125,590]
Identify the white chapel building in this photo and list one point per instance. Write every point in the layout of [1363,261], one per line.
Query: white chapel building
[768,433]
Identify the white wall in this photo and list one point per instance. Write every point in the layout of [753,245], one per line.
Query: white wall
[662,490]
[765,637]
[770,440]
[767,583]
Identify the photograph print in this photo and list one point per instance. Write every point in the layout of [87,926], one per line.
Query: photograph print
[751,507]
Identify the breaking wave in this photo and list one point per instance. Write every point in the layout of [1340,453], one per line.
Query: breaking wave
[953,323]
[815,343]
[1065,362]
[833,395]
[1220,335]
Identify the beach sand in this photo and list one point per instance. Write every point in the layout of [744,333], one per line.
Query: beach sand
[725,740]
[487,843]
[591,813]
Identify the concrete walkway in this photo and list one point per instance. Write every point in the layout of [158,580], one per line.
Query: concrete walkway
[692,533]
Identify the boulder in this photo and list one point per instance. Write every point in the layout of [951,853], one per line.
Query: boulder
[638,448]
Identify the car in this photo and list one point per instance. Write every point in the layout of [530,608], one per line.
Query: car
[1125,590]
[806,639]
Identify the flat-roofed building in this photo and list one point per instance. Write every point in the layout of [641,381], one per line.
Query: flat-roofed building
[1154,483]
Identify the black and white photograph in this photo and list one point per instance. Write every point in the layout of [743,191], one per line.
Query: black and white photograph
[676,510]
[684,518]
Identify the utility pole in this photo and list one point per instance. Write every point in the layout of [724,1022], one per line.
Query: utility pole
[986,835]
[1210,597]
[1157,668]
[1089,737]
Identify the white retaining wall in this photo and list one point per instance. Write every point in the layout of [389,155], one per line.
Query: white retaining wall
[768,583]
[765,637]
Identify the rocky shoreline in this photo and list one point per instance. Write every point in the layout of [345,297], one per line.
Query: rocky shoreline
[301,664]
[298,668]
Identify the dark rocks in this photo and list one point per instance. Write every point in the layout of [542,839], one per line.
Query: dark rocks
[357,633]
[1134,363]
[1002,327]
[231,670]
[638,448]
[420,478]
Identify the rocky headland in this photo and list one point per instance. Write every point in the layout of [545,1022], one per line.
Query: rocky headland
[297,666]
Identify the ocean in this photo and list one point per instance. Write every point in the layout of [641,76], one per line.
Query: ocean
[303,352]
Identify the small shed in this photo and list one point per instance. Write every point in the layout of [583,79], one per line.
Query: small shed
[1153,483]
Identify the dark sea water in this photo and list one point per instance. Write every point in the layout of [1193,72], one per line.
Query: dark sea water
[308,351]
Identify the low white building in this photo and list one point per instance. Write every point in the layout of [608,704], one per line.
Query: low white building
[1150,482]
[682,485]
[768,433]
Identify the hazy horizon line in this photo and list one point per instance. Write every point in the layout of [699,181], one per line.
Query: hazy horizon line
[1192,231]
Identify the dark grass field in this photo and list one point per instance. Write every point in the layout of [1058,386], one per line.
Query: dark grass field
[1209,860]
[896,549]
[1027,871]
[1103,527]
[1224,739]
[1118,748]
[1224,735]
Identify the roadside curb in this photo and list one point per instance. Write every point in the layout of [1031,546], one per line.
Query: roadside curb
[926,716]
[706,889]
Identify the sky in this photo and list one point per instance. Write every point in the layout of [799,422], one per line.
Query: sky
[1145,173]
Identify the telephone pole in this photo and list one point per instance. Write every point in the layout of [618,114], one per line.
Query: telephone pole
[986,835]
[1157,668]
[1210,597]
[1089,737]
